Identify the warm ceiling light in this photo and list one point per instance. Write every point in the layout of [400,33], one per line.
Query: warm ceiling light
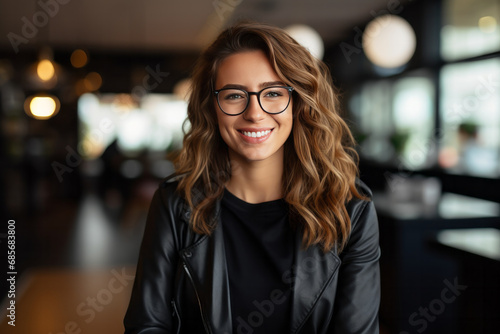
[389,41]
[79,58]
[308,38]
[487,24]
[93,81]
[45,70]
[42,106]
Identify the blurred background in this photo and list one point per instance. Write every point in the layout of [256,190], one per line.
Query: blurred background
[93,98]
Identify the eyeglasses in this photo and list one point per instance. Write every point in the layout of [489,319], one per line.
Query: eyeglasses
[273,100]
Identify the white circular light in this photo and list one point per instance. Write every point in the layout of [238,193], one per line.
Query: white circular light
[308,38]
[42,106]
[389,41]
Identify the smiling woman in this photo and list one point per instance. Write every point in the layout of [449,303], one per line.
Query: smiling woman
[251,132]
[264,227]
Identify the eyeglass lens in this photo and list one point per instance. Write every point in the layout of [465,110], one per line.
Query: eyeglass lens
[273,100]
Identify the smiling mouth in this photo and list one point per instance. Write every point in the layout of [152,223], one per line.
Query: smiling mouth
[256,134]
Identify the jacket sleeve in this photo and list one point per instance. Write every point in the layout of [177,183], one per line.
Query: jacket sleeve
[358,293]
[150,309]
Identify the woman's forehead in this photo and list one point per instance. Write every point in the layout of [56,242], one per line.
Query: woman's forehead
[249,68]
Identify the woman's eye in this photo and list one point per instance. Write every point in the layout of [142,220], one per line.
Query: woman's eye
[234,97]
[273,94]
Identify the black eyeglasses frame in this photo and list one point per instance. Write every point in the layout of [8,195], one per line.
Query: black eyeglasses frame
[288,88]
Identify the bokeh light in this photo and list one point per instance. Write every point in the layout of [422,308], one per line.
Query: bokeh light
[487,24]
[45,70]
[308,38]
[93,81]
[389,41]
[79,58]
[42,106]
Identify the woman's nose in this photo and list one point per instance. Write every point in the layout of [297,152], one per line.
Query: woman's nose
[254,112]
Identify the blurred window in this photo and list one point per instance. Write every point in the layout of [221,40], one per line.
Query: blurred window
[154,125]
[413,113]
[395,120]
[470,115]
[470,28]
[370,107]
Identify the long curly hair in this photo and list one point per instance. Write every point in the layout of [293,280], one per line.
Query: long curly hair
[321,163]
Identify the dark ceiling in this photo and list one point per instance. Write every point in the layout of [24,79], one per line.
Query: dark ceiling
[165,25]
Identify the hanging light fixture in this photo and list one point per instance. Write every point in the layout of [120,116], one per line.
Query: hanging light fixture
[45,70]
[44,74]
[42,106]
[389,41]
[308,38]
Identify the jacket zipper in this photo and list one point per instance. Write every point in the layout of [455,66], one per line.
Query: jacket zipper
[175,313]
[207,328]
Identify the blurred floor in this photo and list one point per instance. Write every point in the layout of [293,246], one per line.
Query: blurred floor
[81,268]
[72,300]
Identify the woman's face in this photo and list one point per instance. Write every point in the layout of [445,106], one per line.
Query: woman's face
[253,135]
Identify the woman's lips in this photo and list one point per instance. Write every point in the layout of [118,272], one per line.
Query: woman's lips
[255,136]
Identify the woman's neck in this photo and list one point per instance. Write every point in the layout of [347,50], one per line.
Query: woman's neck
[256,181]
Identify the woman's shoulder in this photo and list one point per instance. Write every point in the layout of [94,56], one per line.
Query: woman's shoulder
[168,195]
[356,206]
[363,237]
[363,189]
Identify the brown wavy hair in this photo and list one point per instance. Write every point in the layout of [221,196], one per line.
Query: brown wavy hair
[321,161]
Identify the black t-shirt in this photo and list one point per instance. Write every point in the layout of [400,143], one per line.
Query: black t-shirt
[259,250]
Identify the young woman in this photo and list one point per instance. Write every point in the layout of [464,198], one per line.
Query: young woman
[265,227]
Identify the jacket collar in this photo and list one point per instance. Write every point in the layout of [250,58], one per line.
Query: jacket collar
[312,272]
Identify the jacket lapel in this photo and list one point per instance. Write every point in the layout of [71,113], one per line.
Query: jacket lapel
[313,271]
[207,263]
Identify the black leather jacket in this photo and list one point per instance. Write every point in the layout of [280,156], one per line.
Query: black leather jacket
[181,285]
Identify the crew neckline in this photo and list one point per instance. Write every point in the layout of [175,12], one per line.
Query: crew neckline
[235,199]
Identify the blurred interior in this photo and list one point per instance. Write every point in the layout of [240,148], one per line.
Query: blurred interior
[93,100]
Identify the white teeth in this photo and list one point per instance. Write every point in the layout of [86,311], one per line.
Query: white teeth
[256,134]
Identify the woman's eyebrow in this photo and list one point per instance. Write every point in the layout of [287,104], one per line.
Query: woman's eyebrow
[234,86]
[261,85]
[271,83]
